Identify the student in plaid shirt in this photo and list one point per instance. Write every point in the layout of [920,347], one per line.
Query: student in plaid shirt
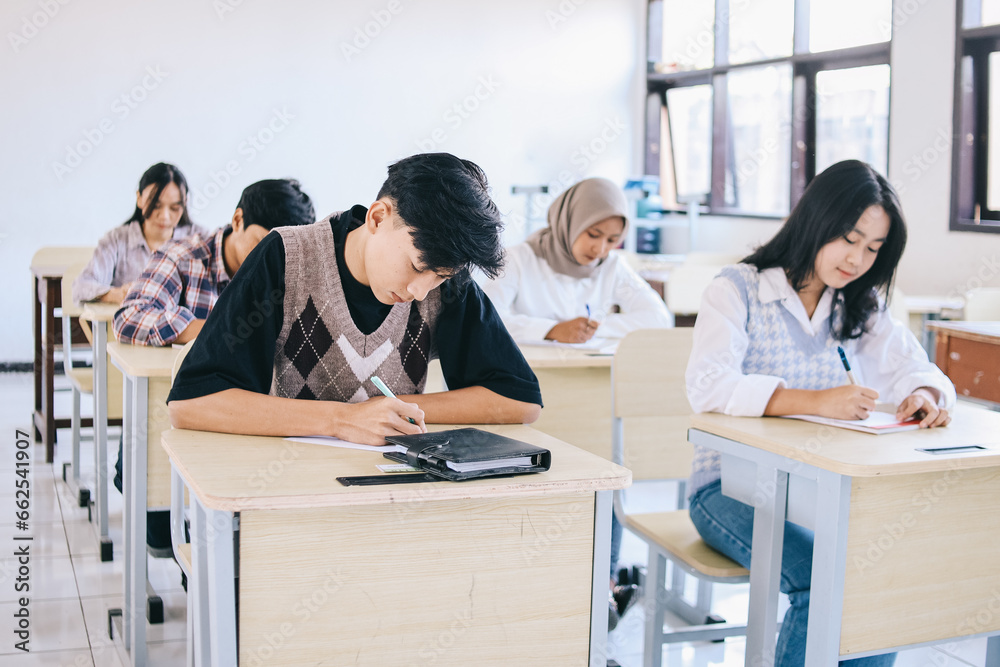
[180,285]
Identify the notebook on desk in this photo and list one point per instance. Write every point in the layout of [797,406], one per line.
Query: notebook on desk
[468,453]
[877,423]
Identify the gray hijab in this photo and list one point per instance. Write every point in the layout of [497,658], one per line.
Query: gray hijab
[573,212]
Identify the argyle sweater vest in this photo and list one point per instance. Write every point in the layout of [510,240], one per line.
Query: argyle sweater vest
[777,346]
[320,353]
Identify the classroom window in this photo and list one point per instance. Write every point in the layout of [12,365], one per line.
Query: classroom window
[852,116]
[976,147]
[749,99]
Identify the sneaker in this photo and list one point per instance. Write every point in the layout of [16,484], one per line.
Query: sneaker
[613,615]
[624,597]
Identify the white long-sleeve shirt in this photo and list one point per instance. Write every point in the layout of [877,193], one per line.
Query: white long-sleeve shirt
[887,358]
[532,298]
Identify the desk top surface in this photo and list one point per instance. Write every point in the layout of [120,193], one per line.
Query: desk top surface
[555,356]
[51,261]
[238,472]
[99,312]
[143,360]
[862,454]
[932,304]
[986,331]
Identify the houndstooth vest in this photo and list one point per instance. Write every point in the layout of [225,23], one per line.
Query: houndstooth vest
[320,353]
[778,346]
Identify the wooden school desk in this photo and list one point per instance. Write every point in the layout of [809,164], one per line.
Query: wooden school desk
[47,267]
[926,309]
[969,354]
[145,475]
[491,572]
[576,391]
[906,544]
[100,316]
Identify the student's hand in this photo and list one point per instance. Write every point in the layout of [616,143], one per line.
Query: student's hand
[116,294]
[579,330]
[923,404]
[369,422]
[849,401]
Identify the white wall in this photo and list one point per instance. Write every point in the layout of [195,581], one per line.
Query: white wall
[534,91]
[936,261]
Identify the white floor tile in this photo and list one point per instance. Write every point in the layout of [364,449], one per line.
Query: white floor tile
[48,539]
[48,579]
[81,538]
[75,658]
[56,625]
[173,628]
[99,579]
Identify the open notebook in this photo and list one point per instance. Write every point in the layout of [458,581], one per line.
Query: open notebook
[883,420]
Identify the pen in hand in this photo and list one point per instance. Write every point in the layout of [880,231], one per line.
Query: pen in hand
[847,366]
[377,381]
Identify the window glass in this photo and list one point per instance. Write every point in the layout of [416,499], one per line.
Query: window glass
[852,116]
[689,111]
[840,24]
[758,168]
[760,29]
[688,35]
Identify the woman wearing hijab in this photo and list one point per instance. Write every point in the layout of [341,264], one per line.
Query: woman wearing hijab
[564,284]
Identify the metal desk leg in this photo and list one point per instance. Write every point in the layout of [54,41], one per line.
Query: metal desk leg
[198,584]
[213,555]
[993,651]
[101,437]
[135,498]
[602,567]
[826,597]
[126,508]
[765,567]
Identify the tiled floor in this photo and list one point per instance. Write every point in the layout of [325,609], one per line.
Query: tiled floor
[71,589]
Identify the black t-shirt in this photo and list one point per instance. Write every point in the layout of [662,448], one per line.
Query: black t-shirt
[235,349]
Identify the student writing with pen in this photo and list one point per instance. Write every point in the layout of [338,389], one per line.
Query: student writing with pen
[378,290]
[765,343]
[567,269]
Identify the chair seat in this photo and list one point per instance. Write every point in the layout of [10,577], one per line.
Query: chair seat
[183,553]
[82,379]
[675,534]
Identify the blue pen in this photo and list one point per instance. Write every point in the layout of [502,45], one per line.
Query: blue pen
[847,366]
[385,390]
[588,310]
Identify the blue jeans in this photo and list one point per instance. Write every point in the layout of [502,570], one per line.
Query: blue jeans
[727,526]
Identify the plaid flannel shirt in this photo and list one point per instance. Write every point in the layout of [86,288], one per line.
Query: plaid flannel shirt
[180,284]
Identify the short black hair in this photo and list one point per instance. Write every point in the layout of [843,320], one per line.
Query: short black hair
[278,202]
[829,209]
[446,204]
[160,175]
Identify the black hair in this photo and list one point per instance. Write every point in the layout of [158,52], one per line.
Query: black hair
[278,202]
[829,209]
[446,204]
[160,175]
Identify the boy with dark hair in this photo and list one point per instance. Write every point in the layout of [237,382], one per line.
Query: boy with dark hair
[376,291]
[180,285]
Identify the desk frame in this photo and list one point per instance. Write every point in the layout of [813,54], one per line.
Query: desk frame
[826,509]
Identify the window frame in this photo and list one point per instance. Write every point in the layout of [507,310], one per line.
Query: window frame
[970,163]
[805,67]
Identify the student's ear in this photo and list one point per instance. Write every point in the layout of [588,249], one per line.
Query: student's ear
[238,220]
[378,212]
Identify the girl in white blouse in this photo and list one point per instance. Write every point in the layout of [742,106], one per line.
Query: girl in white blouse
[160,215]
[564,284]
[765,343]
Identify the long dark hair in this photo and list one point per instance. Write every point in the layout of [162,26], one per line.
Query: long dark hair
[829,209]
[160,175]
